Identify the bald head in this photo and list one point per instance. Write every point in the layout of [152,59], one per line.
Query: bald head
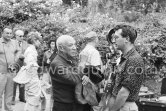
[64,40]
[91,36]
[19,32]
[66,45]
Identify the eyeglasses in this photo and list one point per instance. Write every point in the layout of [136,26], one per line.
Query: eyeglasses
[20,36]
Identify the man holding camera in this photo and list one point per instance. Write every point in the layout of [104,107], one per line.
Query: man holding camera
[8,52]
[130,71]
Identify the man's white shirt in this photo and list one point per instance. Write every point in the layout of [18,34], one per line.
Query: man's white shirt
[90,56]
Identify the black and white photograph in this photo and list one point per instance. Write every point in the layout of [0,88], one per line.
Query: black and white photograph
[82,55]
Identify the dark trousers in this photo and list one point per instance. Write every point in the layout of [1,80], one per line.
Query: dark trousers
[82,107]
[163,87]
[21,92]
[57,106]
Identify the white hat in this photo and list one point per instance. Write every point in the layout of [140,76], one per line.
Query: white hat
[91,35]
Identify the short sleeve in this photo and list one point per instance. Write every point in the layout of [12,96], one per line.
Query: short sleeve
[95,59]
[133,74]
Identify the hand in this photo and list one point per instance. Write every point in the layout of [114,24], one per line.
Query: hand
[49,90]
[48,61]
[85,80]
[21,56]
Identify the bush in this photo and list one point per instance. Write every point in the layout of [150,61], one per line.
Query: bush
[131,16]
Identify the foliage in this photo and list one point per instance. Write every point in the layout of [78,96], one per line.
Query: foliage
[131,16]
[52,19]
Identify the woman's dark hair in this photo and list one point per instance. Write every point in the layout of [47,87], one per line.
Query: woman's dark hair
[127,31]
[55,50]
[49,42]
[110,35]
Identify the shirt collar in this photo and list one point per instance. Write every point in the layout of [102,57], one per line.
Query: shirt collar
[32,47]
[128,54]
[90,46]
[19,41]
[69,60]
[49,50]
[3,41]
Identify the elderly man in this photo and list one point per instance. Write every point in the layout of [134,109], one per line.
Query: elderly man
[19,35]
[90,56]
[8,52]
[130,72]
[64,75]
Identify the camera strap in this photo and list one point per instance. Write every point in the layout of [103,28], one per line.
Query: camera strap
[5,55]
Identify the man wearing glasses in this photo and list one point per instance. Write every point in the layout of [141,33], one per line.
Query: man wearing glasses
[130,71]
[19,35]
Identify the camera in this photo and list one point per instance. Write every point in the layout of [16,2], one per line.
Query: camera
[11,68]
[15,67]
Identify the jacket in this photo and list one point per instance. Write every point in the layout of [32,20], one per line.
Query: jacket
[8,54]
[64,76]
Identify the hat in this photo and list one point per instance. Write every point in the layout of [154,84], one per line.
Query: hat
[91,35]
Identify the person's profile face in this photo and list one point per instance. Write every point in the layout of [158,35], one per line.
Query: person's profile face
[97,40]
[37,43]
[19,35]
[70,48]
[119,41]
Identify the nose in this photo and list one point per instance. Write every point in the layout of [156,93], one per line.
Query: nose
[10,34]
[74,47]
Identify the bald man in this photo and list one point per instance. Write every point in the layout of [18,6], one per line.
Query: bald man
[19,34]
[64,75]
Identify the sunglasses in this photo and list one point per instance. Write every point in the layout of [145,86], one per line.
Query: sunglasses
[19,35]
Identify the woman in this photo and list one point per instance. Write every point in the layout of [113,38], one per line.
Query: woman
[28,74]
[47,59]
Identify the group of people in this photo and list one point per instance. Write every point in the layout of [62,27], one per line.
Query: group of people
[65,71]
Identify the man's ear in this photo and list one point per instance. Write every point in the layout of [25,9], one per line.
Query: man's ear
[127,39]
[61,48]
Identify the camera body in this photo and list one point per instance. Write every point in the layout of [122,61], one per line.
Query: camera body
[11,68]
[15,67]
[104,51]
